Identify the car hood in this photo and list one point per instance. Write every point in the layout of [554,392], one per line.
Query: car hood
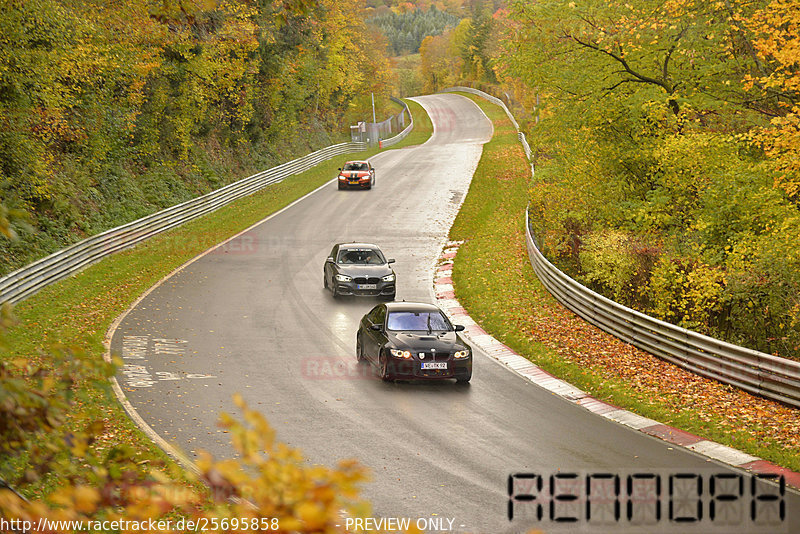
[364,270]
[424,342]
[356,174]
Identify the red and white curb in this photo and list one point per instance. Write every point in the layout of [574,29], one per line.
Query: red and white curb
[446,299]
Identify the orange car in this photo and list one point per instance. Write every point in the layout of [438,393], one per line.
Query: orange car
[360,174]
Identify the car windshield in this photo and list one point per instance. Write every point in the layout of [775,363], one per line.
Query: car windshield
[355,166]
[360,256]
[427,321]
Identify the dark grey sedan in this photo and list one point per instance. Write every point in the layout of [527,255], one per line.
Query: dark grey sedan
[359,269]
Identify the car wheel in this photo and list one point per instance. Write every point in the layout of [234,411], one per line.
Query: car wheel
[340,187]
[335,291]
[389,297]
[359,348]
[464,379]
[385,369]
[325,280]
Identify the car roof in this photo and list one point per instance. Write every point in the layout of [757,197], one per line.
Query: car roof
[411,307]
[357,245]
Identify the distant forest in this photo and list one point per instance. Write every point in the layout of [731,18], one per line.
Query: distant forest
[405,31]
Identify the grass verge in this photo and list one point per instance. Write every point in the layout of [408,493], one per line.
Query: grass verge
[78,311]
[494,281]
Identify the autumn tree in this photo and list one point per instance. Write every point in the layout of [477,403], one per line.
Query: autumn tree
[776,28]
[472,45]
[648,185]
[440,65]
[674,52]
[112,110]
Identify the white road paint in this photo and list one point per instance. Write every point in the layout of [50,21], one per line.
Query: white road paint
[137,349]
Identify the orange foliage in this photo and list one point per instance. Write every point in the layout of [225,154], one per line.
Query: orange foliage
[405,7]
[777,43]
[270,488]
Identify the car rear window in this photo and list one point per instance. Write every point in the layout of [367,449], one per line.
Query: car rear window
[405,320]
[360,256]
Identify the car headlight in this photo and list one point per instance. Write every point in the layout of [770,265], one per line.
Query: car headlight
[343,177]
[388,278]
[400,353]
[344,278]
[461,354]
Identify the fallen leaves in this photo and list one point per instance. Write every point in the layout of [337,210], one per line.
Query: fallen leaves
[494,281]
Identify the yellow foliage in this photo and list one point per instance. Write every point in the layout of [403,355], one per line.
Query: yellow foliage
[688,294]
[777,43]
[607,259]
[440,67]
[782,144]
[270,486]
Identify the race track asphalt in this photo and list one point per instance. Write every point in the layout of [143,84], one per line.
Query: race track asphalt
[252,317]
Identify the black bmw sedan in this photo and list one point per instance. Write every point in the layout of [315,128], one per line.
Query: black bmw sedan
[408,340]
[359,269]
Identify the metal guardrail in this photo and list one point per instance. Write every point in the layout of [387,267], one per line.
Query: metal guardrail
[494,100]
[487,96]
[402,135]
[24,282]
[759,373]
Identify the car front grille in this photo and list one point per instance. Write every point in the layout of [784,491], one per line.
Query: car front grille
[364,280]
[435,356]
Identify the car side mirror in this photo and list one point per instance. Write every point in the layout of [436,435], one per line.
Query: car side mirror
[459,327]
[340,168]
[377,327]
[390,260]
[329,260]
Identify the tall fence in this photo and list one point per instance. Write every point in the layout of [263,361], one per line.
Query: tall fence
[30,279]
[759,373]
[407,130]
[380,133]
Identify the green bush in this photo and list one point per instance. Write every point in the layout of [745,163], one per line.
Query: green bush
[684,225]
[110,112]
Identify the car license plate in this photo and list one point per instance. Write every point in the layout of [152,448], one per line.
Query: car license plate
[353,182]
[367,286]
[434,365]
